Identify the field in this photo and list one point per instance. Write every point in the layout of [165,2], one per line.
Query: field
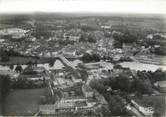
[23,102]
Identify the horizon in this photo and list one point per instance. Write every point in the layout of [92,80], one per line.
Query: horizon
[83,6]
[88,14]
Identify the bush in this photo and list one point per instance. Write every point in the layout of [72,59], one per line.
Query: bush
[90,57]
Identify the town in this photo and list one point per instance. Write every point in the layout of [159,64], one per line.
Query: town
[100,66]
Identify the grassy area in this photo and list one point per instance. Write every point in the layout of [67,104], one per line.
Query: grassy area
[23,102]
[24,60]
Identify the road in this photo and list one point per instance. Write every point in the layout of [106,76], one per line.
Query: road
[66,62]
[135,111]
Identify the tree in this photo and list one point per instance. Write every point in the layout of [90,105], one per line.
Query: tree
[116,105]
[86,58]
[157,36]
[125,37]
[139,94]
[5,58]
[117,66]
[123,82]
[18,68]
[51,63]
[82,38]
[90,57]
[160,51]
[91,38]
[96,84]
[96,57]
[11,67]
[84,74]
[30,63]
[142,86]
[5,85]
[159,75]
[117,44]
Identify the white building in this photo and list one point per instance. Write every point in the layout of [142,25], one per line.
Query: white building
[147,111]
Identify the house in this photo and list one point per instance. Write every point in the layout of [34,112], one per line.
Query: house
[161,85]
[106,27]
[65,105]
[34,73]
[2,40]
[35,77]
[12,74]
[117,57]
[33,70]
[14,33]
[147,111]
[76,80]
[39,69]
[117,69]
[71,37]
[94,66]
[87,91]
[127,46]
[47,109]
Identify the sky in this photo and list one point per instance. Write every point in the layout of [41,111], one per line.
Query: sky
[93,6]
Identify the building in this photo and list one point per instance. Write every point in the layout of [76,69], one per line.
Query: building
[71,105]
[34,69]
[47,109]
[147,111]
[161,85]
[34,73]
[127,46]
[2,40]
[117,57]
[106,27]
[35,77]
[10,73]
[14,33]
[87,91]
[71,37]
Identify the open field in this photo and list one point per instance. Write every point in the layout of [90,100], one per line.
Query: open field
[23,102]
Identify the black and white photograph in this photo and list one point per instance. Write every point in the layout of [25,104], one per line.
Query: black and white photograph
[83,58]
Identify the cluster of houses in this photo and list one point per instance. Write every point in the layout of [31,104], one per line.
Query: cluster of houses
[14,33]
[76,99]
[63,79]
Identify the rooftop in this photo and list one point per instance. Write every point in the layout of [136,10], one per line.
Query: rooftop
[87,88]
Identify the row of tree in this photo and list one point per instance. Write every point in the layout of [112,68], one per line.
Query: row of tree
[87,38]
[24,83]
[6,54]
[86,58]
[125,37]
